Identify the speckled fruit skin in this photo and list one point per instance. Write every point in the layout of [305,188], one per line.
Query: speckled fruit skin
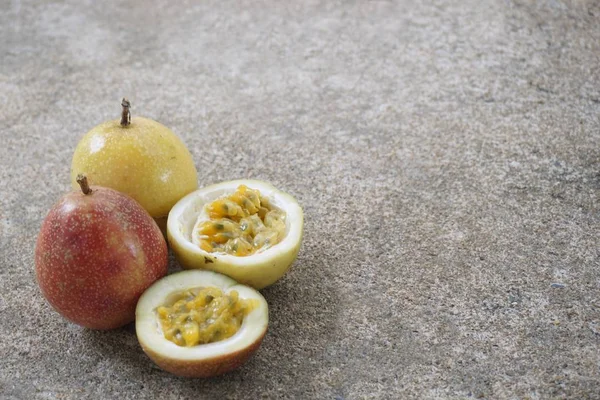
[145,160]
[96,254]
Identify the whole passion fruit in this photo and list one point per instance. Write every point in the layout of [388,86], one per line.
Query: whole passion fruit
[200,323]
[97,251]
[245,229]
[139,157]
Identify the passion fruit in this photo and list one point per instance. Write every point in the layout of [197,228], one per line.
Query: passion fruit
[200,323]
[245,229]
[97,251]
[139,157]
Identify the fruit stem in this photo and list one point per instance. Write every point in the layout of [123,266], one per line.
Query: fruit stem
[125,114]
[82,180]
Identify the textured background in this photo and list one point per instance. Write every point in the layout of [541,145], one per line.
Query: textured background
[446,154]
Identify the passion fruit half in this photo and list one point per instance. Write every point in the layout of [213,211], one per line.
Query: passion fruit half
[176,311]
[245,229]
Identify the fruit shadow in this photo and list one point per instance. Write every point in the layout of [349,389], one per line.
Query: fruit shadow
[121,345]
[304,313]
[299,350]
[121,349]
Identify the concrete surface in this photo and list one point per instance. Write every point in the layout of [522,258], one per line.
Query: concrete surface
[446,154]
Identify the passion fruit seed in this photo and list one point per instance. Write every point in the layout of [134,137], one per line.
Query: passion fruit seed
[241,224]
[203,315]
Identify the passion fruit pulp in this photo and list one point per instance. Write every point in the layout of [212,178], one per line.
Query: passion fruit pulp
[239,224]
[203,315]
[259,266]
[216,356]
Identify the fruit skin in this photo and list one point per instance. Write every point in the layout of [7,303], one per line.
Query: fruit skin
[145,160]
[204,368]
[258,270]
[96,254]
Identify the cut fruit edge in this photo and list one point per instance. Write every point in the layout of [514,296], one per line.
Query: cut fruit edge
[184,214]
[148,328]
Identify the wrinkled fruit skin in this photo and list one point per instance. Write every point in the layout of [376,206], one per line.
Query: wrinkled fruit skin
[145,160]
[96,254]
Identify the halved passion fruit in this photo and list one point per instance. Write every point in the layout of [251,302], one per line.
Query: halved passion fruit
[245,229]
[200,323]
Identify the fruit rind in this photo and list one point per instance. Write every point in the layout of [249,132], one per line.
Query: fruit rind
[204,368]
[258,270]
[207,359]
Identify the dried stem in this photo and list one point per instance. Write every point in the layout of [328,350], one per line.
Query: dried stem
[125,114]
[82,180]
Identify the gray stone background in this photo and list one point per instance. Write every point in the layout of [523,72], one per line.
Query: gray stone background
[446,154]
